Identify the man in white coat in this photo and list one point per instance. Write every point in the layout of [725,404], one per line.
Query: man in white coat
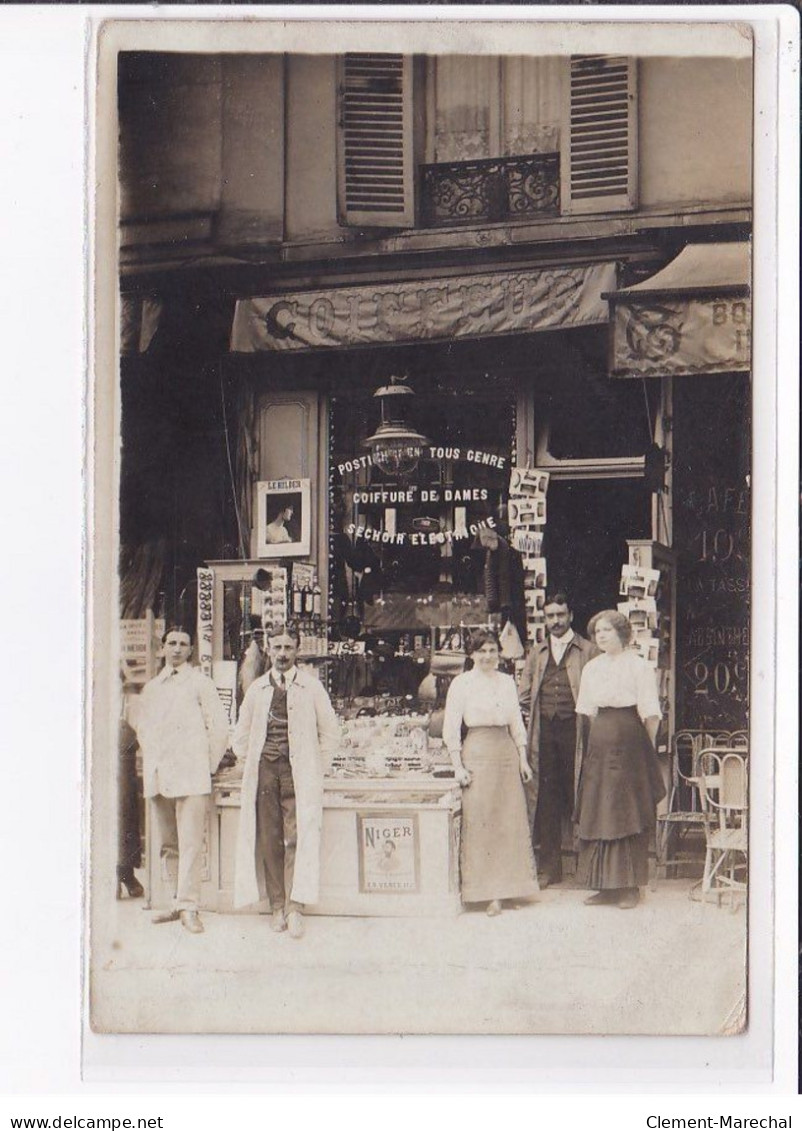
[286,728]
[182,728]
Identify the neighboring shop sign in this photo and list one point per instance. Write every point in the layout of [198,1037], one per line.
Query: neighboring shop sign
[205,619]
[693,317]
[140,641]
[465,306]
[663,338]
[712,509]
[389,852]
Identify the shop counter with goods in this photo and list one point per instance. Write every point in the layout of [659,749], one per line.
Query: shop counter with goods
[391,826]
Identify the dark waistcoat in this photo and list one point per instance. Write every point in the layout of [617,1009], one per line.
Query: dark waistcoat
[556,697]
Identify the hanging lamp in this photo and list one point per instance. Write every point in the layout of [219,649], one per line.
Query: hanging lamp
[395,446]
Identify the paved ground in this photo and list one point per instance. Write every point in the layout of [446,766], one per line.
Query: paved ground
[672,966]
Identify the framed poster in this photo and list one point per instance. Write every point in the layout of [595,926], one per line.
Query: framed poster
[389,852]
[283,518]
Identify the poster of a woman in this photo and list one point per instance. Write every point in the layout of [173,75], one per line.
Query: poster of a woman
[283,518]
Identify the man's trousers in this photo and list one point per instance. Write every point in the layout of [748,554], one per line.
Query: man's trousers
[180,824]
[276,829]
[555,799]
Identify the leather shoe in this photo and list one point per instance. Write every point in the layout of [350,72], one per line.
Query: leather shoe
[166,917]
[191,921]
[630,897]
[295,925]
[602,897]
[278,922]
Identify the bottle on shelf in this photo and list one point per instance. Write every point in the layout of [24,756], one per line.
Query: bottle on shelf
[306,601]
[297,599]
[316,599]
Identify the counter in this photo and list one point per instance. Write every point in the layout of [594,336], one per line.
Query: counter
[360,874]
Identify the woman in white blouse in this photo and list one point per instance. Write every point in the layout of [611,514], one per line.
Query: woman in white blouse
[496,859]
[620,782]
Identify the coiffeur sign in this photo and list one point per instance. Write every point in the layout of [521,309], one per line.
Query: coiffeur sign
[465,306]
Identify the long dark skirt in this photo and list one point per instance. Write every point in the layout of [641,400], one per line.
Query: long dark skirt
[496,859]
[619,787]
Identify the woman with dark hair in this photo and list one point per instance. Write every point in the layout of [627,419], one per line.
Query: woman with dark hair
[496,859]
[620,782]
[277,531]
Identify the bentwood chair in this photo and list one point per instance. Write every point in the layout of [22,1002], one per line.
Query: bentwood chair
[683,811]
[724,798]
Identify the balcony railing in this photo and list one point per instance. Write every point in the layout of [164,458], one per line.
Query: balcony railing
[496,189]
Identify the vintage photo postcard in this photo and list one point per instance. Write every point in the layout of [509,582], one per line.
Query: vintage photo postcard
[423,528]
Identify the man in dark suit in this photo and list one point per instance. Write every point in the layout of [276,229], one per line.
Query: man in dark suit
[548,690]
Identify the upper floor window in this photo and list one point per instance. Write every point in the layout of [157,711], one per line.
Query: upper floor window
[493,138]
[487,106]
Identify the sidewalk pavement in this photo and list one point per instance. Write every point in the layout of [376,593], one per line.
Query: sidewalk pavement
[670,966]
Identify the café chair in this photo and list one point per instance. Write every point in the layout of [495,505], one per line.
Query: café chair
[683,810]
[724,798]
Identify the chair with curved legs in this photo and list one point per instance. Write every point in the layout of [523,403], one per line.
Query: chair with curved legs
[723,794]
[683,811]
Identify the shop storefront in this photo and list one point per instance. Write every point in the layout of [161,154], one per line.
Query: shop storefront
[427,456]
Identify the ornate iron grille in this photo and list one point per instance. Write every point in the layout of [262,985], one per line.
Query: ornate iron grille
[504,188]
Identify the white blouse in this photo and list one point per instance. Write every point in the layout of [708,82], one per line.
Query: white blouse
[624,680]
[480,700]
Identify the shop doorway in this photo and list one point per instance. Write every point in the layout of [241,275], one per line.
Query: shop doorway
[589,522]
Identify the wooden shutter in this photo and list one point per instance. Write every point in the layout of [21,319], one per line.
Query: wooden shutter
[599,157]
[375,166]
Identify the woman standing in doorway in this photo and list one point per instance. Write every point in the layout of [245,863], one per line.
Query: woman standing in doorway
[496,859]
[620,782]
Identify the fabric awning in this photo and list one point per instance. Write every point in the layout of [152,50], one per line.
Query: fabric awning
[693,317]
[441,308]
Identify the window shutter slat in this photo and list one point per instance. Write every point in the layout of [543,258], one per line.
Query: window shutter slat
[375,168]
[599,153]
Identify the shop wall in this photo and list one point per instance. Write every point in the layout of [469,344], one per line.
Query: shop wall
[252,191]
[204,136]
[695,128]
[311,147]
[291,439]
[176,491]
[695,124]
[170,128]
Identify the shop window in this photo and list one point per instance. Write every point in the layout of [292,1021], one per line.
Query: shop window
[406,563]
[590,426]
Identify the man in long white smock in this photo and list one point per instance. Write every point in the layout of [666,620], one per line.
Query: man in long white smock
[286,729]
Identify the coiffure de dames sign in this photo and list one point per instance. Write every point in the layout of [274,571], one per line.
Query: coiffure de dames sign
[466,306]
